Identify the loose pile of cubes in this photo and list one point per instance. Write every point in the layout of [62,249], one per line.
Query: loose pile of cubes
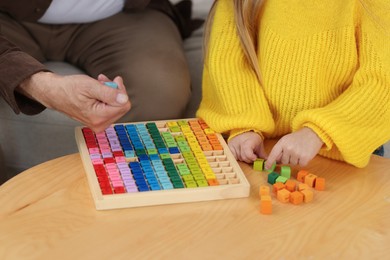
[285,189]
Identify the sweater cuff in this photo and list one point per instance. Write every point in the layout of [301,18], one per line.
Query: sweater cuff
[328,143]
[236,132]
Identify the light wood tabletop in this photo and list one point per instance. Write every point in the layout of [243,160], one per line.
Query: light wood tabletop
[47,212]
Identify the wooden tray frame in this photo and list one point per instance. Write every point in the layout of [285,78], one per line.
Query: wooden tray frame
[160,197]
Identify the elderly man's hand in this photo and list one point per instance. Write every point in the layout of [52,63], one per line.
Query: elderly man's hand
[80,97]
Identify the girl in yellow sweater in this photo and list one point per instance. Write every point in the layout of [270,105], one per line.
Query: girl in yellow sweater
[315,74]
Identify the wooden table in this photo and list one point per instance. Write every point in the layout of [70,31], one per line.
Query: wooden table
[47,212]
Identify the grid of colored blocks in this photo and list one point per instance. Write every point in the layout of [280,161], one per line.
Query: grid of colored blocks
[143,157]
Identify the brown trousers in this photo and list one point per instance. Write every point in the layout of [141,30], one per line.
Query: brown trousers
[144,47]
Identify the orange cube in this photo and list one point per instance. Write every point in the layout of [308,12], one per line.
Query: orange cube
[214,142]
[303,186]
[296,197]
[207,147]
[264,191]
[310,179]
[212,137]
[290,185]
[283,195]
[320,184]
[217,147]
[213,182]
[301,175]
[307,195]
[277,186]
[266,205]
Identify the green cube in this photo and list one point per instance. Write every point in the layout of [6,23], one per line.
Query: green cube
[285,171]
[272,168]
[281,179]
[272,177]
[258,164]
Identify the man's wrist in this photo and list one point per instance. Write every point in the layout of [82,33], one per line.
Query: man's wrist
[35,87]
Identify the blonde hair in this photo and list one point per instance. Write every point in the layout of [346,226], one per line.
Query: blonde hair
[246,13]
[247,19]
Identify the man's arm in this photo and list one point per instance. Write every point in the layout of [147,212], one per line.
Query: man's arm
[28,87]
[15,67]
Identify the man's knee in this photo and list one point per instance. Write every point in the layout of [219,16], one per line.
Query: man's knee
[164,101]
[159,88]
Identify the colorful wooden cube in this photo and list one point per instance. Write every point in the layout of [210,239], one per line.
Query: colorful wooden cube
[266,205]
[301,175]
[296,197]
[285,171]
[283,195]
[310,179]
[264,191]
[320,184]
[290,185]
[272,177]
[277,186]
[272,168]
[281,179]
[303,186]
[307,195]
[258,164]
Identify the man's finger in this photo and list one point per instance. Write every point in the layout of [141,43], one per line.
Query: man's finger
[103,78]
[109,96]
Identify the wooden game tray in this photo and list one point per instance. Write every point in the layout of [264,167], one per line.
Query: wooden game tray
[226,169]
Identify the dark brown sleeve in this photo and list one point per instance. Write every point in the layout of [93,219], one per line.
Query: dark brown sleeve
[15,67]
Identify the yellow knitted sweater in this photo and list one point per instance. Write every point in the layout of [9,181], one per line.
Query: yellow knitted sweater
[325,65]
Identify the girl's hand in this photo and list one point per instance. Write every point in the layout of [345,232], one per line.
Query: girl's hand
[297,148]
[247,147]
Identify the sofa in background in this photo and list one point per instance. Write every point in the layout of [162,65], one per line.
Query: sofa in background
[26,141]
